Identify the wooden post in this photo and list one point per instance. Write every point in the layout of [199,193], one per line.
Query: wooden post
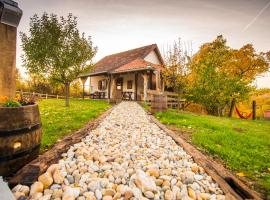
[83,91]
[157,80]
[253,110]
[46,96]
[109,87]
[136,86]
[8,37]
[145,87]
[150,80]
[113,88]
[162,84]
[232,107]
[83,79]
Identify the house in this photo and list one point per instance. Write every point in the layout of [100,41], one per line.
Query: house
[127,75]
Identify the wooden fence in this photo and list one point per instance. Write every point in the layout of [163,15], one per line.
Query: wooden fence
[173,99]
[40,95]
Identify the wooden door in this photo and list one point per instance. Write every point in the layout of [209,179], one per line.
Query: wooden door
[119,88]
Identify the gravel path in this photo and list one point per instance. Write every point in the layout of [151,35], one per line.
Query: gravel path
[126,157]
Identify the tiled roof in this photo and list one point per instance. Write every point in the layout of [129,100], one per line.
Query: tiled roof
[136,65]
[119,61]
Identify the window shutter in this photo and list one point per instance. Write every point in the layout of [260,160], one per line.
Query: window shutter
[100,85]
[129,84]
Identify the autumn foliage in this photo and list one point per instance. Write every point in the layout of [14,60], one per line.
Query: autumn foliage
[217,73]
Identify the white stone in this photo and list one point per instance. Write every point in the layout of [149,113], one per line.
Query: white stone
[144,181]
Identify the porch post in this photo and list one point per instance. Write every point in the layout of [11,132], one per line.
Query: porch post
[157,81]
[90,87]
[113,86]
[151,80]
[109,87]
[136,87]
[145,79]
[83,79]
[162,85]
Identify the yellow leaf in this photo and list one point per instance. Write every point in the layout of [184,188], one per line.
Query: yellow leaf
[268,169]
[241,174]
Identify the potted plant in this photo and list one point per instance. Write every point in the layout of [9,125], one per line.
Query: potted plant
[20,133]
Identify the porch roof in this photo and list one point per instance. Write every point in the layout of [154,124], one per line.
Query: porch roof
[138,64]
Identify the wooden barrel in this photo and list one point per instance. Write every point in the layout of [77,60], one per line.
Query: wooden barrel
[158,103]
[20,137]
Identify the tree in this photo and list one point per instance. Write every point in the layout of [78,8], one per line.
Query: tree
[76,88]
[176,67]
[20,83]
[55,50]
[219,74]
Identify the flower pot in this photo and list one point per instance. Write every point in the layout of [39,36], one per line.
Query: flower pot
[20,137]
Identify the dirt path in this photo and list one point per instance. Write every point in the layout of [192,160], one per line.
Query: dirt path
[126,157]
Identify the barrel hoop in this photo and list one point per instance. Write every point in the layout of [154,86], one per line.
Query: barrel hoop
[18,155]
[19,131]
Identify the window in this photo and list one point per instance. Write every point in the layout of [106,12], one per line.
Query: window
[102,84]
[129,84]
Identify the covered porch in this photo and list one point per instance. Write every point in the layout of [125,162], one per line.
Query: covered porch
[128,85]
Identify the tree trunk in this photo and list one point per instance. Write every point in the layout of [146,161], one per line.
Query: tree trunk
[67,85]
[232,107]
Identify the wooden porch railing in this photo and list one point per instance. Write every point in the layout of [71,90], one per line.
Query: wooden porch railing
[173,99]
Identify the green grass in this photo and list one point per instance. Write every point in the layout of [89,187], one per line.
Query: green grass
[243,145]
[58,121]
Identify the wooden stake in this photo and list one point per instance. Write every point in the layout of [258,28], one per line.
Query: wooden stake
[253,110]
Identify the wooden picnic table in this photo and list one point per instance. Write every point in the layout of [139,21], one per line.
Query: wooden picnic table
[127,95]
[98,95]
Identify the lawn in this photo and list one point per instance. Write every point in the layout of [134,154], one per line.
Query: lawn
[58,121]
[244,146]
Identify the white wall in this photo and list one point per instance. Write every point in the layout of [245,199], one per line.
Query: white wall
[126,78]
[93,84]
[152,57]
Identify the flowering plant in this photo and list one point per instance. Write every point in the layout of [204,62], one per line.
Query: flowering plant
[17,101]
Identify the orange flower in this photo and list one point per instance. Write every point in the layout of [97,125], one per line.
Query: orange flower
[3,99]
[17,97]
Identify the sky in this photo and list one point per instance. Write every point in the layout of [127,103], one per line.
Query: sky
[119,25]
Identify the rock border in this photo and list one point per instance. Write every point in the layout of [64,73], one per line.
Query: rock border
[30,172]
[225,179]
